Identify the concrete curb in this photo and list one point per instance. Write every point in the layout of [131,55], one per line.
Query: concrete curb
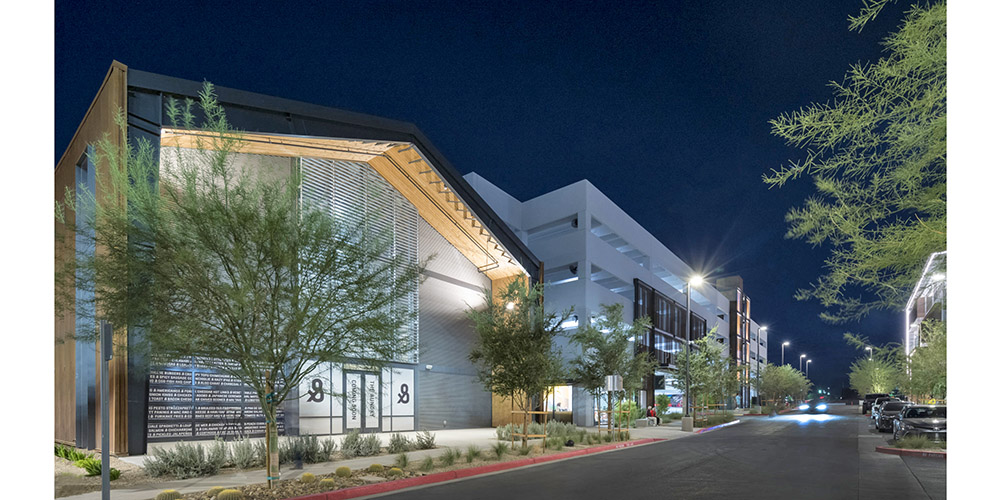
[710,429]
[440,477]
[888,450]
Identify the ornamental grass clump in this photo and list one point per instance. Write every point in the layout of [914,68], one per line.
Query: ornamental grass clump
[500,448]
[472,453]
[427,465]
[329,446]
[449,456]
[399,443]
[425,440]
[402,460]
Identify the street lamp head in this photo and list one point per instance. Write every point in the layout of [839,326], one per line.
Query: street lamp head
[786,343]
[809,361]
[763,328]
[696,280]
[802,356]
[868,347]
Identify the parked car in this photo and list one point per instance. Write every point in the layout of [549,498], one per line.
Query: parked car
[887,413]
[866,406]
[921,420]
[878,403]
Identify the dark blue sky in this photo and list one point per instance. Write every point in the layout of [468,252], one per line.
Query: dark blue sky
[662,105]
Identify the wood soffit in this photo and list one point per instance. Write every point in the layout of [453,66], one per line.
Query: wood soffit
[403,166]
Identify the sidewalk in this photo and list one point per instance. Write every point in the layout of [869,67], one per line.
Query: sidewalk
[458,438]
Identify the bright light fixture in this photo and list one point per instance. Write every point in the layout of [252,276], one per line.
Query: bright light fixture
[696,280]
[510,306]
[786,343]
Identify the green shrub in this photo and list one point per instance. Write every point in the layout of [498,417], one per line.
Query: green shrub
[399,443]
[244,454]
[343,471]
[395,472]
[376,468]
[917,443]
[260,449]
[427,464]
[305,448]
[354,445]
[327,483]
[425,440]
[500,448]
[307,478]
[71,454]
[371,445]
[607,437]
[329,446]
[524,450]
[504,431]
[402,460]
[719,419]
[214,491]
[449,456]
[230,495]
[168,495]
[535,428]
[187,460]
[89,464]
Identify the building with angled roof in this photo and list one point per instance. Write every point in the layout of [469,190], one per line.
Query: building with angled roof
[340,155]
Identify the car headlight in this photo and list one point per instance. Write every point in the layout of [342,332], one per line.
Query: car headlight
[803,407]
[821,406]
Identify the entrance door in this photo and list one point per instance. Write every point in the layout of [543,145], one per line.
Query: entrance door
[362,401]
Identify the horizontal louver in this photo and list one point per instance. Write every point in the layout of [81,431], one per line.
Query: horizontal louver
[355,194]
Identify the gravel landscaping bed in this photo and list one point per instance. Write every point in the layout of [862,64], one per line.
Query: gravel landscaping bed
[292,488]
[71,480]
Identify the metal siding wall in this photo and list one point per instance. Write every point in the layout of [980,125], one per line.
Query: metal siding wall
[449,391]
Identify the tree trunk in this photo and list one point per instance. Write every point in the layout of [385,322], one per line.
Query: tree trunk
[272,464]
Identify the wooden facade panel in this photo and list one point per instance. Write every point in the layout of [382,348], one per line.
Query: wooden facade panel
[98,121]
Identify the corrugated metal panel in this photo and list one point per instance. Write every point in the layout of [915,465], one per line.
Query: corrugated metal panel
[449,391]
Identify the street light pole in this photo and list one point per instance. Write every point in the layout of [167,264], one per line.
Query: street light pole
[783,344]
[869,349]
[687,422]
[807,367]
[801,356]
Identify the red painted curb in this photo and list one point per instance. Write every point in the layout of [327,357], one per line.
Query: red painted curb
[439,477]
[911,453]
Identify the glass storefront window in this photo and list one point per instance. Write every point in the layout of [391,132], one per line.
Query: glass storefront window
[560,399]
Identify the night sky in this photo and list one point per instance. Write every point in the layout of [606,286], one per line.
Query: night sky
[662,105]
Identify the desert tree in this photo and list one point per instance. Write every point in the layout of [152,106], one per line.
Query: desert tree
[202,253]
[925,371]
[607,347]
[713,376]
[516,356]
[776,383]
[878,369]
[877,156]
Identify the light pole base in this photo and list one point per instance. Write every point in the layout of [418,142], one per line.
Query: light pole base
[687,424]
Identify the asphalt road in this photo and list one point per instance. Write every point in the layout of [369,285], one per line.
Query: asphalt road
[790,456]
